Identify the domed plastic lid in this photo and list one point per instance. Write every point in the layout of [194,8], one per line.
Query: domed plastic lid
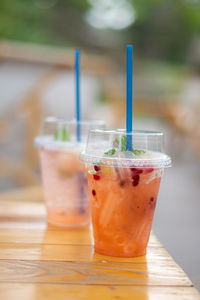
[58,134]
[116,147]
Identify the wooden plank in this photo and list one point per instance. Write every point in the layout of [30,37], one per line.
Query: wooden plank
[20,291]
[38,260]
[22,215]
[23,224]
[29,194]
[102,273]
[54,235]
[73,253]
[24,211]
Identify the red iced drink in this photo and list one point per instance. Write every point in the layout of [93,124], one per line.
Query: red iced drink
[123,189]
[123,203]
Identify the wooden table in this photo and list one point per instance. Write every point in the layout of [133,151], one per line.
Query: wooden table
[47,262]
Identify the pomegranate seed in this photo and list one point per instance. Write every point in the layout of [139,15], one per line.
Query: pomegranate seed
[96,177]
[97,168]
[135,182]
[122,183]
[136,177]
[93,192]
[136,171]
[152,202]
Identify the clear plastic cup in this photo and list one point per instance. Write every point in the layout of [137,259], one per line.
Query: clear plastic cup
[63,174]
[123,188]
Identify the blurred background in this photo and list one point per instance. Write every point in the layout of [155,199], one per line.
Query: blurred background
[37,40]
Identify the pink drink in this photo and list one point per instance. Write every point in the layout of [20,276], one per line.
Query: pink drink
[65,188]
[63,174]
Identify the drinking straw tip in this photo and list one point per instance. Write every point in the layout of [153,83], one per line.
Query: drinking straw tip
[129,95]
[77,75]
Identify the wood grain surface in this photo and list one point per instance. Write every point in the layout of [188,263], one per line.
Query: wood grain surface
[41,261]
[91,292]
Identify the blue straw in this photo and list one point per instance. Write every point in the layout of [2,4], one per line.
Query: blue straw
[78,109]
[129,96]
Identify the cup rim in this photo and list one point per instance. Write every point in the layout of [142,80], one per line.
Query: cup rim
[62,121]
[157,158]
[164,162]
[123,131]
[44,140]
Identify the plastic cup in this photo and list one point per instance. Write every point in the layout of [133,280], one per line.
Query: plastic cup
[63,175]
[123,188]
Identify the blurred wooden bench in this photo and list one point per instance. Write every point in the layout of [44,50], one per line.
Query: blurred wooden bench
[186,122]
[30,111]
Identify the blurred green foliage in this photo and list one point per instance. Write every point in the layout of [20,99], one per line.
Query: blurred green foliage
[33,21]
[166,28]
[163,29]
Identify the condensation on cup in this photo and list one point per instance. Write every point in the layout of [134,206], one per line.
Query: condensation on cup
[64,178]
[123,188]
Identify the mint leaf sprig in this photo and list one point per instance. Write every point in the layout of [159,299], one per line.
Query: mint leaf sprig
[116,143]
[62,135]
[138,151]
[110,152]
[121,145]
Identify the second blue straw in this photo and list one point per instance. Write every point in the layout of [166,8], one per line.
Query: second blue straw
[78,109]
[129,96]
